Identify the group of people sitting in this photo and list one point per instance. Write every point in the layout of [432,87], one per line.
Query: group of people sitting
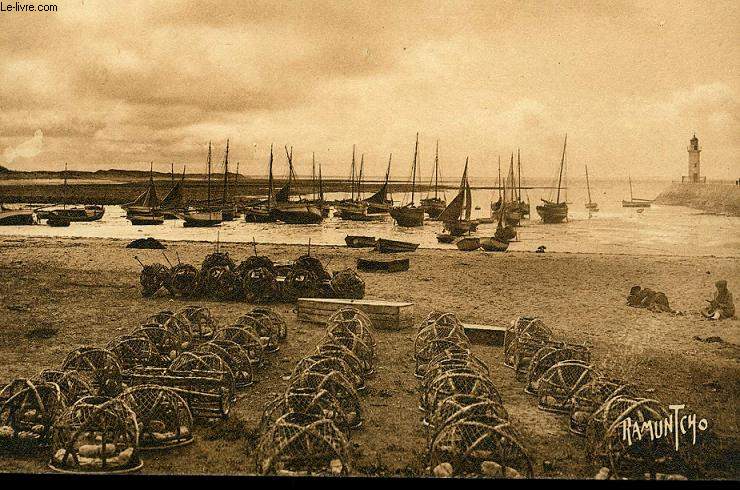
[720,306]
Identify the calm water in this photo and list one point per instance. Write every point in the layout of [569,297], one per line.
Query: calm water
[671,230]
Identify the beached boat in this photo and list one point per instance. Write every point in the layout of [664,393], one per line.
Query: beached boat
[318,197]
[208,215]
[261,211]
[555,212]
[434,205]
[375,265]
[86,213]
[456,216]
[635,202]
[394,246]
[379,203]
[13,217]
[352,208]
[410,215]
[590,205]
[468,244]
[294,212]
[173,203]
[228,208]
[446,238]
[493,244]
[145,210]
[357,241]
[55,219]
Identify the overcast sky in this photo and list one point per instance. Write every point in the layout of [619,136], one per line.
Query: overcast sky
[111,84]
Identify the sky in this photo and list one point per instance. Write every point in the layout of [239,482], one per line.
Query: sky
[109,84]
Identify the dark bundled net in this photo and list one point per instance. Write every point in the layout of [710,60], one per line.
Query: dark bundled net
[27,412]
[482,445]
[201,323]
[606,443]
[518,336]
[152,278]
[319,403]
[246,337]
[217,259]
[260,285]
[222,283]
[135,350]
[348,285]
[72,385]
[300,283]
[237,358]
[314,265]
[589,397]
[98,367]
[96,435]
[162,415]
[299,443]
[184,281]
[254,262]
[560,382]
[549,355]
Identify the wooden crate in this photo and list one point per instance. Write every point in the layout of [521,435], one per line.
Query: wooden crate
[386,315]
[485,334]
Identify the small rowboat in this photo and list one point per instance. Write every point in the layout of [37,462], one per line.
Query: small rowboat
[493,244]
[445,238]
[468,244]
[356,241]
[372,265]
[394,246]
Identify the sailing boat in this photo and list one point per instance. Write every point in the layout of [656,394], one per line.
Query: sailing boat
[504,230]
[261,211]
[228,209]
[410,215]
[10,216]
[318,197]
[456,216]
[353,209]
[294,212]
[590,205]
[433,206]
[379,203]
[523,206]
[635,202]
[199,216]
[512,214]
[172,203]
[145,210]
[74,213]
[555,212]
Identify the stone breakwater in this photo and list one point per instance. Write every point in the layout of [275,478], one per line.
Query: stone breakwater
[714,198]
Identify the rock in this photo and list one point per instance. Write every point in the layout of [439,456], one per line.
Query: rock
[336,466]
[490,468]
[603,474]
[6,431]
[443,470]
[512,473]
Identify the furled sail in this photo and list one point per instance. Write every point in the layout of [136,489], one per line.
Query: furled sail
[174,198]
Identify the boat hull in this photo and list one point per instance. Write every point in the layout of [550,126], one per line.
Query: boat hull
[57,220]
[553,213]
[193,219]
[257,215]
[146,220]
[298,214]
[408,217]
[592,206]
[433,207]
[493,244]
[394,246]
[445,238]
[461,227]
[15,217]
[468,244]
[355,241]
[74,214]
[636,204]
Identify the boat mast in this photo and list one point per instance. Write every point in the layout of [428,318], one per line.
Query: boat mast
[630,179]
[413,170]
[321,186]
[468,202]
[226,174]
[562,162]
[359,179]
[269,185]
[499,180]
[313,175]
[588,186]
[352,177]
[64,188]
[436,169]
[519,179]
[172,172]
[208,168]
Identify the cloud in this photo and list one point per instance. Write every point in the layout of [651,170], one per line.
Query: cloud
[27,149]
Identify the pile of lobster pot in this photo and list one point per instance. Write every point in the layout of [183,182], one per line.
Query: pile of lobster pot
[142,391]
[255,280]
[305,430]
[561,375]
[468,428]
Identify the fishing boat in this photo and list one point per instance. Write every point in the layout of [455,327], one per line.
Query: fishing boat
[354,209]
[468,244]
[394,246]
[523,206]
[434,206]
[72,213]
[358,241]
[318,190]
[228,208]
[504,230]
[493,244]
[635,202]
[55,219]
[145,210]
[261,211]
[555,212]
[410,215]
[456,216]
[203,216]
[590,205]
[379,203]
[513,211]
[12,217]
[294,212]
[446,238]
[172,202]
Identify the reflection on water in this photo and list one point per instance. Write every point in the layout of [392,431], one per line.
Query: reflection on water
[671,230]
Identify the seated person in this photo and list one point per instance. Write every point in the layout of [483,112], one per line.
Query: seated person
[721,305]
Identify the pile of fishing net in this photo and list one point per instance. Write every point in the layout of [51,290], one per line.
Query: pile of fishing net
[598,406]
[306,430]
[256,279]
[468,428]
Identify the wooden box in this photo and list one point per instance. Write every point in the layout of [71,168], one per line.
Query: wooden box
[385,315]
[485,334]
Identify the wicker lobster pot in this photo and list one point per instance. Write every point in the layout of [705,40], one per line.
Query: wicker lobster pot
[98,367]
[135,351]
[589,397]
[340,388]
[27,413]
[202,325]
[96,435]
[520,330]
[548,356]
[163,416]
[235,356]
[324,363]
[167,342]
[462,406]
[560,382]
[71,384]
[319,403]
[246,337]
[456,382]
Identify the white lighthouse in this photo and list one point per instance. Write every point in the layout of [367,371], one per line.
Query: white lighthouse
[694,176]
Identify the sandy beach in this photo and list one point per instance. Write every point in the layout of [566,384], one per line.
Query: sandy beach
[89,290]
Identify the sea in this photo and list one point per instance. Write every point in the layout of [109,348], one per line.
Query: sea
[658,230]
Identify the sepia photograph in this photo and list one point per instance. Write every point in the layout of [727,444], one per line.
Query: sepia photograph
[467,239]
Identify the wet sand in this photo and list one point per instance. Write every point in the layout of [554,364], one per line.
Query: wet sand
[89,290]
